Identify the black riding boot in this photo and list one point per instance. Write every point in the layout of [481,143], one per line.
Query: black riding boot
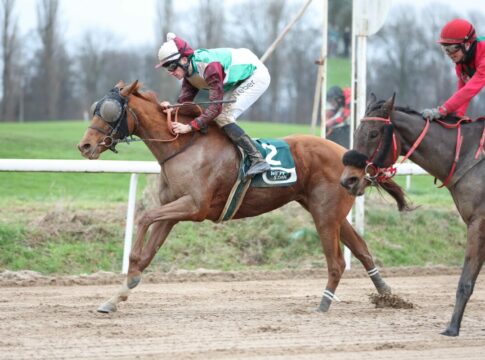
[240,138]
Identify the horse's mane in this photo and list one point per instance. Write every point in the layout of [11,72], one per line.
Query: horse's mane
[375,107]
[188,110]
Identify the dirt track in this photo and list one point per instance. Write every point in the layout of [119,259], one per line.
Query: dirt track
[270,318]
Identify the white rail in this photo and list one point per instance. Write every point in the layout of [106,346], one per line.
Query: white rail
[132,167]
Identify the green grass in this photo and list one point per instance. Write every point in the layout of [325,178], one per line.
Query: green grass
[338,72]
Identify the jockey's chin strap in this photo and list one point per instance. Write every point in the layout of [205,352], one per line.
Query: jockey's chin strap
[374,173]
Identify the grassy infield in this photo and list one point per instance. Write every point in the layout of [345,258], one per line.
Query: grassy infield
[74,223]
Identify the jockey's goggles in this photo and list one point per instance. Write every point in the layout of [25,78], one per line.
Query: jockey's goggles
[451,48]
[171,65]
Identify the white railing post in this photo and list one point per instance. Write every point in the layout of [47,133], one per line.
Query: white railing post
[347,253]
[130,220]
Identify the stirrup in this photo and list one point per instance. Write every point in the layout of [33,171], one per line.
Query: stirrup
[258,168]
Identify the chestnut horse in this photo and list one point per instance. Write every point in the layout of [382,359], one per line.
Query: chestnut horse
[198,172]
[387,132]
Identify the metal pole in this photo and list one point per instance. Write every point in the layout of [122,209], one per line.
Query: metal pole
[130,219]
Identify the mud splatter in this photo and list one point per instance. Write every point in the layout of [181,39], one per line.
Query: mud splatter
[390,301]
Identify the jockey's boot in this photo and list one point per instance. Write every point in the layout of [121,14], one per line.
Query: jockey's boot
[240,138]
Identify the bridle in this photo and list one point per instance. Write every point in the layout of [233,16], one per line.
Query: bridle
[118,131]
[376,174]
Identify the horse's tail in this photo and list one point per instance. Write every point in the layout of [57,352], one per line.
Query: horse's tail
[393,189]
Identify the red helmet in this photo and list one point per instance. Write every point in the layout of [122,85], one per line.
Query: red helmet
[457,31]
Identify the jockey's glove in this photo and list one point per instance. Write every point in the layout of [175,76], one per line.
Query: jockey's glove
[435,113]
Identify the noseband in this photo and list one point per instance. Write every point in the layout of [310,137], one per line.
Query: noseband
[373,172]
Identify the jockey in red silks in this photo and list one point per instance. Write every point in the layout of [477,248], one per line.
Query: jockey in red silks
[338,115]
[235,74]
[459,41]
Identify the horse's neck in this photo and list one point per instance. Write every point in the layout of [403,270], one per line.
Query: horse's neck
[153,129]
[436,151]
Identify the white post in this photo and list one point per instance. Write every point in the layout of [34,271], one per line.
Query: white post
[130,219]
[408,182]
[347,253]
[323,81]
[360,110]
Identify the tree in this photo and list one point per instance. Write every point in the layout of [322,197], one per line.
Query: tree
[10,48]
[158,80]
[50,87]
[210,20]
[92,66]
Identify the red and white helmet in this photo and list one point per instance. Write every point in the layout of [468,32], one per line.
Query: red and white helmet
[173,49]
[457,31]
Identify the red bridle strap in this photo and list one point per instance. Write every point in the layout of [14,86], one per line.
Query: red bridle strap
[381,174]
[417,142]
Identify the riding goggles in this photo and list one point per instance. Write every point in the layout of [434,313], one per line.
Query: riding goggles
[171,65]
[451,48]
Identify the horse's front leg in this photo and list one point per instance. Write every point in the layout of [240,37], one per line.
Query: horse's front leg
[163,220]
[329,232]
[474,258]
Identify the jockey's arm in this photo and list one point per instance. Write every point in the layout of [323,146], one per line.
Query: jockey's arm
[187,92]
[214,76]
[337,118]
[459,101]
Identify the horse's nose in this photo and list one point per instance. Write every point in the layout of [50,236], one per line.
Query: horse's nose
[349,182]
[84,148]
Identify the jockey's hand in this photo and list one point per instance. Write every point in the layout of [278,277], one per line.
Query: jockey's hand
[164,105]
[435,113]
[180,128]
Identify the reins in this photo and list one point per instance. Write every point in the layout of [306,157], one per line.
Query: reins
[382,174]
[459,142]
[110,142]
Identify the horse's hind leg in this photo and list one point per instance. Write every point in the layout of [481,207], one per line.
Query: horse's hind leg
[140,257]
[358,247]
[474,258]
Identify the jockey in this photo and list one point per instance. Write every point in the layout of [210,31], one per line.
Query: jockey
[338,115]
[459,41]
[238,73]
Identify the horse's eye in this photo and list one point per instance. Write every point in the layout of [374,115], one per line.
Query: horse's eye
[373,134]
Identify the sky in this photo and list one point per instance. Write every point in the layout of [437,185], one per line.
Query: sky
[133,21]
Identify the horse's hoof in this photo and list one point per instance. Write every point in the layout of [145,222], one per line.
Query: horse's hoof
[321,310]
[107,308]
[133,281]
[384,290]
[450,332]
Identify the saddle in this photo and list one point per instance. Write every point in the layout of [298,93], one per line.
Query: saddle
[282,173]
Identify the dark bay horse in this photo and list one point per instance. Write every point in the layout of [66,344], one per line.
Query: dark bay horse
[387,132]
[198,172]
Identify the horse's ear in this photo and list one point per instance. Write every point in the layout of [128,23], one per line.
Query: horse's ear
[127,90]
[120,85]
[389,104]
[371,100]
